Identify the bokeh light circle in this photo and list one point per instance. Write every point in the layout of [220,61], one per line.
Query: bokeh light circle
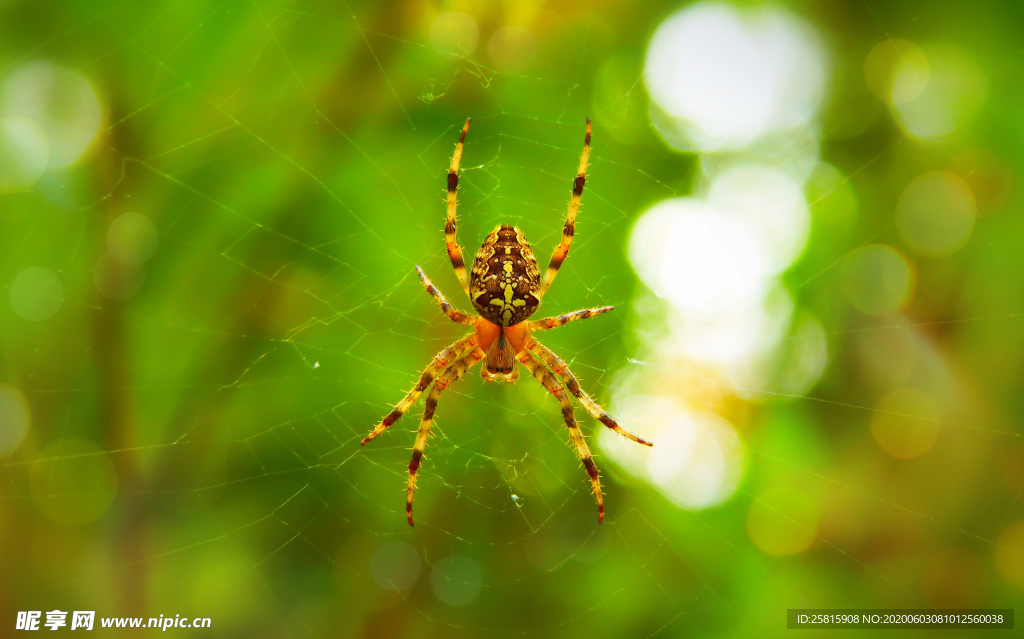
[730,338]
[698,258]
[73,482]
[456,580]
[877,279]
[132,239]
[513,49]
[454,34]
[15,419]
[770,205]
[782,521]
[712,264]
[643,415]
[730,77]
[956,90]
[1009,554]
[906,423]
[935,214]
[395,565]
[897,71]
[24,153]
[697,461]
[59,100]
[36,294]
[807,357]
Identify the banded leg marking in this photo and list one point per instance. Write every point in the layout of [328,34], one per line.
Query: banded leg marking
[440,361]
[454,371]
[455,314]
[555,387]
[558,365]
[561,320]
[451,242]
[562,250]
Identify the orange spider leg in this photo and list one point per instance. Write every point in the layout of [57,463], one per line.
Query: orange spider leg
[440,362]
[561,320]
[454,250]
[548,380]
[572,384]
[562,250]
[454,371]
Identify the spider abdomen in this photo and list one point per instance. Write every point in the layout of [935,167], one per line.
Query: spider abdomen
[505,278]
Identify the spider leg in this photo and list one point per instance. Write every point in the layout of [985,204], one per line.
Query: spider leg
[455,314]
[548,381]
[561,320]
[454,250]
[561,368]
[562,250]
[454,371]
[440,361]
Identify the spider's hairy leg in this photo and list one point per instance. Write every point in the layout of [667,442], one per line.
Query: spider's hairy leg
[559,366]
[561,320]
[451,242]
[454,371]
[562,250]
[549,382]
[440,361]
[455,314]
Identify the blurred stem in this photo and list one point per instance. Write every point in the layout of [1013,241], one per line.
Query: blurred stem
[114,380]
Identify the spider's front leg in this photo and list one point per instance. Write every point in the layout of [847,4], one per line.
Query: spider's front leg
[454,371]
[555,387]
[562,250]
[440,361]
[450,239]
[453,313]
[548,323]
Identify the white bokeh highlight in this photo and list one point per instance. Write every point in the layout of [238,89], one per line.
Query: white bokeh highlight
[741,86]
[24,153]
[697,460]
[730,76]
[61,101]
[770,205]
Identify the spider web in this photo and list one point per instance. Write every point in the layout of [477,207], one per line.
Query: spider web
[292,156]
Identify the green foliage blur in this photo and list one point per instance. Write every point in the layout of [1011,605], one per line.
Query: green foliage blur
[193,445]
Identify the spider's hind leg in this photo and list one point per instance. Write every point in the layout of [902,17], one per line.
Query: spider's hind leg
[454,371]
[548,381]
[561,368]
[440,361]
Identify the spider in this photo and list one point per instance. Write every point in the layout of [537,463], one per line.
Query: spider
[505,288]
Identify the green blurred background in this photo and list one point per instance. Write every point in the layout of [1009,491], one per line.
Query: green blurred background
[208,231]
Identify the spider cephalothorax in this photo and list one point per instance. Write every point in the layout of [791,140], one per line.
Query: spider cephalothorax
[505,288]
